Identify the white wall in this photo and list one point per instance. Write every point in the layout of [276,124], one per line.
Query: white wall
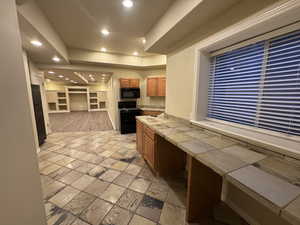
[20,192]
[182,62]
[78,102]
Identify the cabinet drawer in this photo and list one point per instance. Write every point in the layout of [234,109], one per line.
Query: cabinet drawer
[148,131]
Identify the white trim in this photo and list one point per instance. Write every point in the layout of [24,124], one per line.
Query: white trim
[262,37]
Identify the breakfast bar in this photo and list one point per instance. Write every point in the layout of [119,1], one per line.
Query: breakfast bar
[262,187]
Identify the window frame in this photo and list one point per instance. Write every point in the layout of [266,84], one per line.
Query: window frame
[264,25]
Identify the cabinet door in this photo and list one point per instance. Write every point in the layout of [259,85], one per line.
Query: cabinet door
[124,83]
[152,87]
[149,150]
[139,137]
[134,83]
[161,87]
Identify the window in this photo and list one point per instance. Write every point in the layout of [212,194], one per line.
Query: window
[258,85]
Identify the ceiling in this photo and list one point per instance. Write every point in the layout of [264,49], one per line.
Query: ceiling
[79,23]
[66,76]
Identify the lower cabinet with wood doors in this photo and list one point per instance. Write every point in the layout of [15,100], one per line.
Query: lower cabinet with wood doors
[146,144]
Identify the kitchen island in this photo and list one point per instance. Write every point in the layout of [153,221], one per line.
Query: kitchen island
[250,180]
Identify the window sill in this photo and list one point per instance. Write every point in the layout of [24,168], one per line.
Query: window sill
[273,143]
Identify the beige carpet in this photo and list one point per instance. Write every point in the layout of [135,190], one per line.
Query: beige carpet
[80,121]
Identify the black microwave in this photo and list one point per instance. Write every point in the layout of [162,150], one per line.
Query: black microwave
[130,93]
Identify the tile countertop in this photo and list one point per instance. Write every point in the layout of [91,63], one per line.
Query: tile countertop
[152,109]
[253,172]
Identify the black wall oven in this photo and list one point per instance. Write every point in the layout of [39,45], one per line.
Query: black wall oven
[127,93]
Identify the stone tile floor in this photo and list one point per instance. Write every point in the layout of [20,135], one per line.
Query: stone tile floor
[98,178]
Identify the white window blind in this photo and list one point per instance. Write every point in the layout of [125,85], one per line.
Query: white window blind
[258,85]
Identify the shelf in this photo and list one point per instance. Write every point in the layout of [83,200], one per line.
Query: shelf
[62,104]
[93,106]
[61,94]
[93,103]
[77,92]
[62,107]
[52,106]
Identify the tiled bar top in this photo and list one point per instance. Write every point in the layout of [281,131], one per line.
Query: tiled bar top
[270,180]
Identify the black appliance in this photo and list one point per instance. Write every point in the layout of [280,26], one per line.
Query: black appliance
[38,112]
[128,112]
[129,93]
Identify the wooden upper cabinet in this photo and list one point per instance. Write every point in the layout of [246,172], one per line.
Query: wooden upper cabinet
[156,86]
[129,83]
[161,87]
[124,83]
[134,83]
[152,87]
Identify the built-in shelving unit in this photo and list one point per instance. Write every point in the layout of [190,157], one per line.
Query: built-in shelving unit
[59,101]
[98,100]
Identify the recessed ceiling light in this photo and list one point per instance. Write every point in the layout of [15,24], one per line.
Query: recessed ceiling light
[56,59]
[105,32]
[36,43]
[67,78]
[103,49]
[60,76]
[51,72]
[144,40]
[135,53]
[127,3]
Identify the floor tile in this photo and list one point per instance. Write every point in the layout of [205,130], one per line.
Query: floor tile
[133,169]
[59,173]
[138,220]
[95,213]
[147,174]
[71,177]
[97,188]
[124,180]
[158,191]
[121,166]
[150,208]
[97,171]
[117,216]
[85,167]
[65,161]
[64,196]
[79,222]
[61,217]
[140,185]
[49,169]
[108,162]
[50,209]
[177,197]
[75,164]
[79,203]
[52,189]
[172,215]
[109,175]
[130,200]
[112,193]
[83,182]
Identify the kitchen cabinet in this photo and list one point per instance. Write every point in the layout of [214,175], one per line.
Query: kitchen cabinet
[156,86]
[129,83]
[151,113]
[149,150]
[139,137]
[161,87]
[146,142]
